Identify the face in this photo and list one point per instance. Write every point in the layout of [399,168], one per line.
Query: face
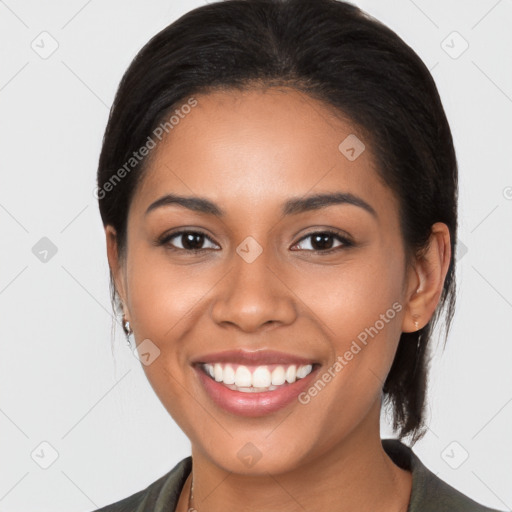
[263,307]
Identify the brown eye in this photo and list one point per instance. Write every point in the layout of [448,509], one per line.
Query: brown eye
[188,241]
[323,241]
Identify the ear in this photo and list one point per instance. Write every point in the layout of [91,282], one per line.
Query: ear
[116,267]
[426,279]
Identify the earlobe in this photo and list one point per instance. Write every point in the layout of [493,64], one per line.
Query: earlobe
[427,283]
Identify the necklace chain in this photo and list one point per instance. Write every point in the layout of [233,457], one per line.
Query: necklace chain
[191,494]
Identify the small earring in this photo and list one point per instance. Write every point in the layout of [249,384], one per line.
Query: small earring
[128,331]
[416,323]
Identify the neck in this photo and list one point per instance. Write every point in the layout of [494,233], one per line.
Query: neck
[353,475]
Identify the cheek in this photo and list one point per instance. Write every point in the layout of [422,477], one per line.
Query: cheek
[359,309]
[164,302]
[162,295]
[350,297]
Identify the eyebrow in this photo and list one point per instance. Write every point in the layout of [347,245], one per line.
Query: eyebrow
[291,207]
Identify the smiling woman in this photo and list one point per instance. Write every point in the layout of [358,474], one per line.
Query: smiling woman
[286,250]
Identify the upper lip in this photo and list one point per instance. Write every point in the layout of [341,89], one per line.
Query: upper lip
[246,357]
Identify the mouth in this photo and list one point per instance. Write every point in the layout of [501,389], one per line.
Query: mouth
[254,383]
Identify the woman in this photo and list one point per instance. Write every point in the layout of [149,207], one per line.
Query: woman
[278,186]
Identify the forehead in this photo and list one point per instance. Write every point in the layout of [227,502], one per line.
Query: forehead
[261,146]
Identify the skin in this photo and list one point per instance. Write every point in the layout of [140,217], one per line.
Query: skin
[248,152]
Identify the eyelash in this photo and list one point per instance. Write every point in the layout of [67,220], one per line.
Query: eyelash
[344,240]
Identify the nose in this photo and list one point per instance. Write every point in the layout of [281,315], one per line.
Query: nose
[254,296]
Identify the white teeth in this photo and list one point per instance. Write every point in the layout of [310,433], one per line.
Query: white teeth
[261,379]
[243,377]
[251,389]
[217,369]
[291,374]
[278,377]
[302,371]
[228,375]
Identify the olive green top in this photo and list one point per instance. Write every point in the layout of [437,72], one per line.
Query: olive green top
[429,493]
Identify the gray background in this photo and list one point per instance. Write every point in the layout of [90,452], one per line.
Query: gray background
[61,380]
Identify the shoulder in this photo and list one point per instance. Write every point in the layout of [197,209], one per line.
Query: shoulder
[429,493]
[161,495]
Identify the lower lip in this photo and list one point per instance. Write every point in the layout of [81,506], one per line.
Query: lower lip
[253,404]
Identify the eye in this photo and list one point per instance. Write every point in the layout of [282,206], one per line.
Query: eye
[323,241]
[190,241]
